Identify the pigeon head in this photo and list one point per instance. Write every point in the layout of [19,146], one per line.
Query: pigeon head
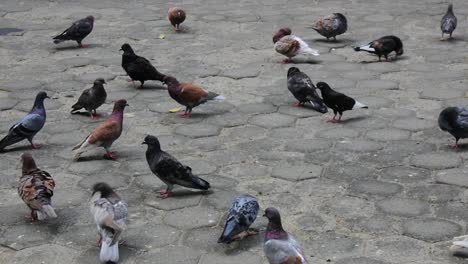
[168,80]
[273,215]
[281,33]
[293,70]
[450,9]
[99,81]
[120,105]
[340,16]
[127,48]
[323,86]
[91,18]
[28,163]
[103,188]
[447,118]
[152,142]
[40,97]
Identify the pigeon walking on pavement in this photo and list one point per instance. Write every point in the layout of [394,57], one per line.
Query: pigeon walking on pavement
[92,98]
[176,16]
[337,101]
[291,45]
[455,121]
[242,214]
[383,46]
[169,169]
[28,127]
[109,212]
[77,31]
[331,26]
[301,86]
[448,22]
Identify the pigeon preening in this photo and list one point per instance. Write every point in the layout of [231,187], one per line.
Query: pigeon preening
[383,46]
[28,127]
[77,31]
[169,169]
[242,214]
[92,98]
[176,16]
[300,85]
[331,26]
[279,246]
[189,94]
[105,133]
[448,22]
[138,68]
[36,188]
[455,121]
[337,101]
[109,212]
[291,45]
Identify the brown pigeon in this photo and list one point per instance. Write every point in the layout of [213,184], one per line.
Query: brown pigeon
[176,16]
[105,133]
[291,45]
[36,188]
[189,94]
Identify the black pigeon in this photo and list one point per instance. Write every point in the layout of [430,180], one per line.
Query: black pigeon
[448,22]
[337,101]
[28,127]
[138,68]
[300,85]
[77,31]
[169,169]
[91,98]
[242,214]
[383,46]
[455,121]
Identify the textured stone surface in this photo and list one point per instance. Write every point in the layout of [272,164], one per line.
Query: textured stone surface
[430,229]
[403,207]
[297,173]
[436,161]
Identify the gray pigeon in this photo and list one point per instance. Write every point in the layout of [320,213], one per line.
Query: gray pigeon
[300,85]
[77,31]
[331,26]
[91,98]
[109,212]
[455,121]
[169,169]
[448,22]
[279,246]
[28,127]
[242,214]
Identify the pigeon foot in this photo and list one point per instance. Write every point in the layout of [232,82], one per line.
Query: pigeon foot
[285,61]
[36,146]
[299,104]
[165,194]
[110,155]
[332,120]
[185,115]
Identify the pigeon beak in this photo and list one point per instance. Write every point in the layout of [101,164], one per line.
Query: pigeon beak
[144,143]
[127,105]
[120,49]
[264,215]
[47,96]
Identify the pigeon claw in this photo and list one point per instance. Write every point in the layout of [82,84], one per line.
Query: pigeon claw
[332,120]
[165,194]
[110,155]
[299,104]
[36,146]
[185,115]
[285,61]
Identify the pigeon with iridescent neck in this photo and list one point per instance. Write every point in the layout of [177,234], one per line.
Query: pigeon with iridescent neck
[291,45]
[176,16]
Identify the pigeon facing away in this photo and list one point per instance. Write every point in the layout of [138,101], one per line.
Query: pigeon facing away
[455,121]
[448,22]
[189,94]
[331,25]
[28,127]
[279,246]
[169,169]
[300,85]
[138,68]
[383,46]
[105,133]
[77,31]
[242,214]
[91,98]
[109,212]
[36,188]
[337,101]
[176,16]
[290,45]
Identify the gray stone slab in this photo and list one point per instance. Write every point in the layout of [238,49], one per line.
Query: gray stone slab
[436,161]
[403,207]
[198,130]
[373,187]
[431,229]
[338,133]
[193,217]
[453,176]
[272,120]
[297,173]
[388,134]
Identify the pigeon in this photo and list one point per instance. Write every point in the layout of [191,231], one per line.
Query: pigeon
[455,121]
[169,169]
[189,94]
[176,16]
[77,31]
[383,46]
[109,212]
[448,22]
[36,188]
[279,246]
[28,127]
[331,25]
[105,133]
[138,68]
[91,98]
[300,85]
[337,101]
[242,214]
[291,45]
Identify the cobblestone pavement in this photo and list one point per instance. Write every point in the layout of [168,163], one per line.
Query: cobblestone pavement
[382,187]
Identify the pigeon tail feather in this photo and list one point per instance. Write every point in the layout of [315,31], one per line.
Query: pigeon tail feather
[10,140]
[310,51]
[460,243]
[359,105]
[229,230]
[109,253]
[57,41]
[365,48]
[200,183]
[215,96]
[47,211]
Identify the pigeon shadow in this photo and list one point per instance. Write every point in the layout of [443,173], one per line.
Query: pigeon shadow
[352,119]
[19,148]
[149,87]
[96,157]
[390,59]
[76,47]
[332,41]
[188,193]
[304,61]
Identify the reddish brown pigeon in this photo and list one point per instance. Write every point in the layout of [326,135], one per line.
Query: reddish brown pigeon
[176,16]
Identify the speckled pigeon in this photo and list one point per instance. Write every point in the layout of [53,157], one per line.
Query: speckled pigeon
[331,26]
[176,16]
[92,98]
[301,86]
[455,121]
[28,127]
[279,246]
[291,45]
[448,22]
[109,212]
[242,214]
[383,46]
[77,31]
[169,169]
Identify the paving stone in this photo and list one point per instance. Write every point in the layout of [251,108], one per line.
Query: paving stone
[203,238]
[298,111]
[435,193]
[440,94]
[349,172]
[388,134]
[343,245]
[240,73]
[374,102]
[46,253]
[25,236]
[413,124]
[398,248]
[147,237]
[373,187]
[436,161]
[193,217]
[242,257]
[198,130]
[297,173]
[359,145]
[338,133]
[177,201]
[431,229]
[306,146]
[171,254]
[7,103]
[453,176]
[229,119]
[257,108]
[378,85]
[403,207]
[360,260]
[272,120]
[406,175]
